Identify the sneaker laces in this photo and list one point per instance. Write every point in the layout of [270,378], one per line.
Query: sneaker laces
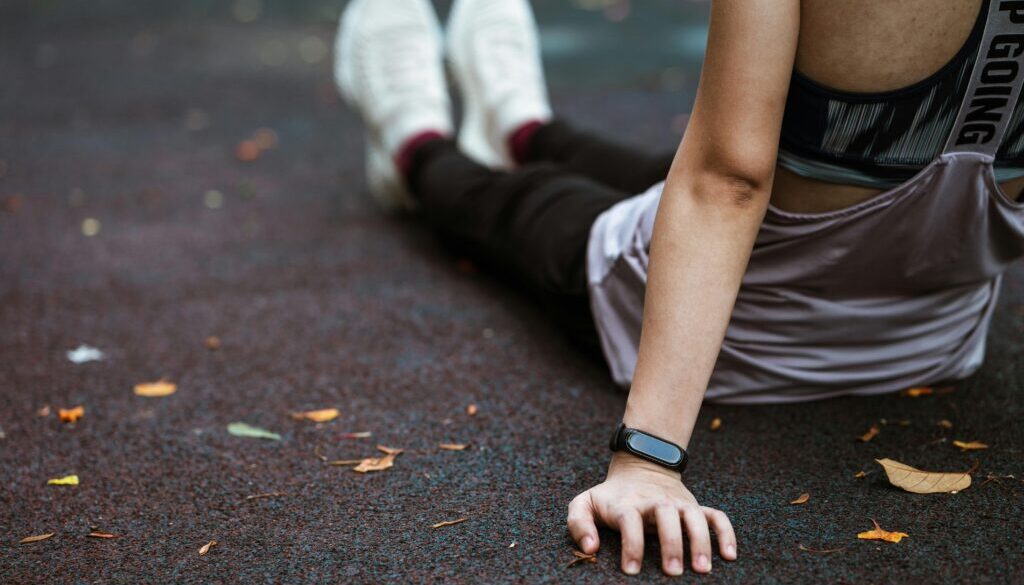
[509,58]
[410,64]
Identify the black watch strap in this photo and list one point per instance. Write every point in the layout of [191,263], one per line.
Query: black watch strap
[647,446]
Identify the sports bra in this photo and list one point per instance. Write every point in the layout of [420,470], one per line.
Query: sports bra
[882,139]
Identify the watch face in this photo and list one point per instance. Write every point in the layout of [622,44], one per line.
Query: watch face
[655,448]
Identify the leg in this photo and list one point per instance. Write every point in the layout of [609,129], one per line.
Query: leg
[618,166]
[532,224]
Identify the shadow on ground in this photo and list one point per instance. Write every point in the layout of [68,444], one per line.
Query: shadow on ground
[319,300]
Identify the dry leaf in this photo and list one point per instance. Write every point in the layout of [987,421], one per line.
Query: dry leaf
[448,523]
[359,435]
[68,415]
[871,434]
[513,545]
[97,534]
[581,557]
[917,392]
[155,389]
[319,416]
[248,151]
[802,499]
[389,450]
[212,343]
[970,446]
[375,464]
[923,482]
[471,410]
[945,424]
[66,480]
[346,462]
[716,423]
[45,411]
[36,538]
[206,547]
[879,534]
[453,446]
[860,475]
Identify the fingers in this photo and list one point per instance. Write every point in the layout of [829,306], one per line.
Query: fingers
[700,538]
[581,523]
[720,523]
[631,527]
[670,533]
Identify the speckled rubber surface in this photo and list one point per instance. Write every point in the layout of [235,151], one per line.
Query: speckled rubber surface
[320,300]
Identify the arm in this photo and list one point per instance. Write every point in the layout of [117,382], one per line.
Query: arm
[710,212]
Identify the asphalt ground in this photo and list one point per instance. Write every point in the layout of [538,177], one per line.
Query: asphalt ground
[319,300]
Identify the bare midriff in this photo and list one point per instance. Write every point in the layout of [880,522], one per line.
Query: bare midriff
[870,46]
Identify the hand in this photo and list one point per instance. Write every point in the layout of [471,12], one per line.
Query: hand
[638,494]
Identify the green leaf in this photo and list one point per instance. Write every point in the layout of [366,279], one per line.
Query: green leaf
[240,429]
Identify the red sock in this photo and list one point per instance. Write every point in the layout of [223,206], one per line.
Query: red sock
[519,140]
[403,159]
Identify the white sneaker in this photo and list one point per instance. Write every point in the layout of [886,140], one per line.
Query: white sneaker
[494,53]
[389,67]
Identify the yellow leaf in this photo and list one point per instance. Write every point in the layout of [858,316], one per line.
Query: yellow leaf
[206,547]
[319,416]
[860,475]
[155,389]
[376,463]
[879,534]
[917,392]
[212,343]
[802,499]
[68,415]
[97,534]
[970,446]
[36,538]
[448,523]
[716,423]
[66,480]
[453,446]
[923,482]
[871,434]
[389,450]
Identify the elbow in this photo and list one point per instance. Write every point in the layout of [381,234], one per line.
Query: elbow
[742,191]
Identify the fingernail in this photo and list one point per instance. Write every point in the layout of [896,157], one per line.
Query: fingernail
[675,567]
[587,542]
[731,550]
[632,568]
[703,563]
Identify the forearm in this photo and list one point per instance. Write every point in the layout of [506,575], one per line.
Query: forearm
[703,235]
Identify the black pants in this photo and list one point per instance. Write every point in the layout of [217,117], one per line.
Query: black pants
[531,225]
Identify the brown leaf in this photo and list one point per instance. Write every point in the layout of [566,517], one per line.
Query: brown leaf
[871,434]
[970,446]
[375,463]
[98,534]
[448,523]
[860,475]
[206,547]
[319,416]
[359,435]
[454,446]
[346,462]
[156,389]
[389,450]
[923,482]
[581,557]
[879,534]
[36,538]
[945,424]
[69,415]
[716,423]
[44,411]
[802,499]
[212,343]
[471,410]
[917,392]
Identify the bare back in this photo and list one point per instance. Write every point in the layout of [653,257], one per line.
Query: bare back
[871,46]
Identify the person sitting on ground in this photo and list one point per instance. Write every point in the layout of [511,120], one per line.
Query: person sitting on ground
[835,221]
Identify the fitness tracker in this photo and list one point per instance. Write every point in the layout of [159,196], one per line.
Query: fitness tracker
[645,446]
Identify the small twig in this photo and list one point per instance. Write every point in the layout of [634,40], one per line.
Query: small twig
[320,456]
[581,557]
[448,523]
[826,551]
[266,495]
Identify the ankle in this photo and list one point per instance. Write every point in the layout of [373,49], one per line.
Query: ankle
[520,140]
[406,153]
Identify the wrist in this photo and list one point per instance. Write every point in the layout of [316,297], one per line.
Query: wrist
[627,463]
